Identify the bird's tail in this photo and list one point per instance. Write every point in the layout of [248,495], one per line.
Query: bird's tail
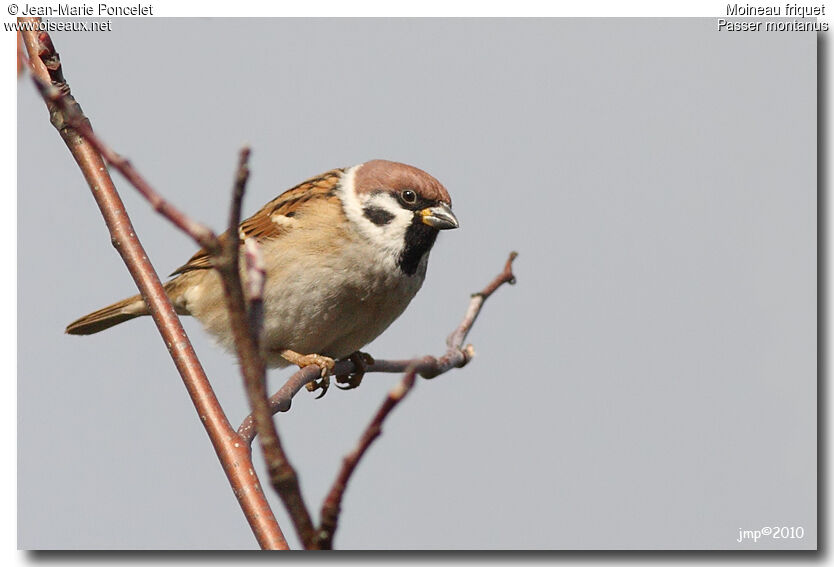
[106,317]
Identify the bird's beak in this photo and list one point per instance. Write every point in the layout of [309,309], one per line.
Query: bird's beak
[440,217]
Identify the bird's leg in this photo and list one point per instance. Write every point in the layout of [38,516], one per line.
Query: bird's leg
[361,360]
[303,360]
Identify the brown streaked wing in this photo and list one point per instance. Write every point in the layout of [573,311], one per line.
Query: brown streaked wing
[261,226]
[199,261]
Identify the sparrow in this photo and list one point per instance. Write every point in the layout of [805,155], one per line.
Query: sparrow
[344,254]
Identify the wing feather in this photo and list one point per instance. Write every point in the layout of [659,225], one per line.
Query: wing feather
[263,225]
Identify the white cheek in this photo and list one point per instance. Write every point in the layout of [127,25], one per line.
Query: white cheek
[392,232]
[350,202]
[388,238]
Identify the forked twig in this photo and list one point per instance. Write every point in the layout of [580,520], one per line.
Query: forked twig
[282,475]
[69,119]
[87,149]
[456,356]
[245,319]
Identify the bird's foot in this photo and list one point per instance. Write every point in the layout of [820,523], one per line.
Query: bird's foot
[325,363]
[361,360]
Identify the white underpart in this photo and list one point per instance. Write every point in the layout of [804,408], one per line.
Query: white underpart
[389,238]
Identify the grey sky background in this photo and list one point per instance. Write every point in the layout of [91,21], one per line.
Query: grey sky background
[649,383]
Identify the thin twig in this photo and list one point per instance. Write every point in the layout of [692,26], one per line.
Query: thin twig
[282,475]
[88,151]
[456,356]
[455,340]
[66,115]
[332,505]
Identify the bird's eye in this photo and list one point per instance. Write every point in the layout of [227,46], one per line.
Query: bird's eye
[409,196]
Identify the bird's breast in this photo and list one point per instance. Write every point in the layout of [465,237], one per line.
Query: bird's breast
[333,304]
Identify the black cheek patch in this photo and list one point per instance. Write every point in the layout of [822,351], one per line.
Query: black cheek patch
[419,238]
[378,216]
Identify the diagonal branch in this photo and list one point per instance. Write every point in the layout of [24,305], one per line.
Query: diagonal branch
[456,356]
[68,118]
[85,147]
[225,254]
[282,475]
[233,449]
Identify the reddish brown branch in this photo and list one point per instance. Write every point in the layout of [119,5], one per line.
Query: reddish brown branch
[68,118]
[456,356]
[66,115]
[232,449]
[428,366]
[282,475]
[455,340]
[332,505]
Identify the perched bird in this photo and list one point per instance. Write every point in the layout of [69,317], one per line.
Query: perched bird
[344,254]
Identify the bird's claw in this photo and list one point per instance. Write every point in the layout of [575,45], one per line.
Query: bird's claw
[325,363]
[361,360]
[350,381]
[322,384]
